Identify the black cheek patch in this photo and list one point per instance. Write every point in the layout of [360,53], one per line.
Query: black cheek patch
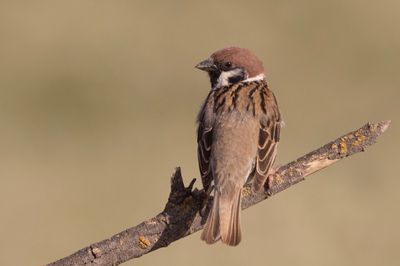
[235,79]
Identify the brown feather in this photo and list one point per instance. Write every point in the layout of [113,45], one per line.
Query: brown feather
[270,124]
[232,235]
[211,228]
[204,142]
[240,57]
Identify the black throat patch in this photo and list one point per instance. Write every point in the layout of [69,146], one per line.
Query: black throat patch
[214,76]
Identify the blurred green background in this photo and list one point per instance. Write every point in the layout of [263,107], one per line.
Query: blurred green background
[97,106]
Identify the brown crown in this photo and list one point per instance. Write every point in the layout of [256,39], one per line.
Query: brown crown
[239,57]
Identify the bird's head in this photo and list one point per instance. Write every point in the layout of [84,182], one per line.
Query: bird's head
[232,65]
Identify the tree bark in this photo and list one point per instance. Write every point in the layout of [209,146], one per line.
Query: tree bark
[181,217]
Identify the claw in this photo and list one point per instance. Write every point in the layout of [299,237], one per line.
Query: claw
[273,178]
[205,201]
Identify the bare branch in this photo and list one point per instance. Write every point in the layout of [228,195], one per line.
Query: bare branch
[181,216]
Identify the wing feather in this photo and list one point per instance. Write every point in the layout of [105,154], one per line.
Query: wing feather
[203,153]
[204,142]
[269,134]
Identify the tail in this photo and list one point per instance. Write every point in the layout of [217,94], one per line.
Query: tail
[223,221]
[211,231]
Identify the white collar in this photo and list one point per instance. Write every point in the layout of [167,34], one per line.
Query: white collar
[258,77]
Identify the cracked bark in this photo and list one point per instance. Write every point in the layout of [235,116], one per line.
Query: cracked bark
[181,217]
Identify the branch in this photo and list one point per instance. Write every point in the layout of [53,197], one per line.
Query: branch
[181,216]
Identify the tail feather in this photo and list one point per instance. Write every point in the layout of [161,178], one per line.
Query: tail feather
[230,222]
[223,222]
[211,231]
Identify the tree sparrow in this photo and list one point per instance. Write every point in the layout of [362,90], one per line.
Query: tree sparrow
[238,132]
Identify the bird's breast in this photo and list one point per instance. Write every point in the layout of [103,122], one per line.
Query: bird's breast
[244,98]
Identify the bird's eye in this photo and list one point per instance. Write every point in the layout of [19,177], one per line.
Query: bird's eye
[228,64]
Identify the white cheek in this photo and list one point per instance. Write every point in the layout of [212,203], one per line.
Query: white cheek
[223,79]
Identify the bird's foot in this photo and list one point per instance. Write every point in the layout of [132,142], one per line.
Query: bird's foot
[273,178]
[205,200]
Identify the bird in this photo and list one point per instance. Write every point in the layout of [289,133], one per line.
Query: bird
[238,130]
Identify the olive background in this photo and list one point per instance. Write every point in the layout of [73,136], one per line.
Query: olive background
[98,101]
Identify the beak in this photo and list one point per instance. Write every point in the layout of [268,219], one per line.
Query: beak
[206,65]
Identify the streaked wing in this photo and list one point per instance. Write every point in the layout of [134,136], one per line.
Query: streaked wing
[270,125]
[204,141]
